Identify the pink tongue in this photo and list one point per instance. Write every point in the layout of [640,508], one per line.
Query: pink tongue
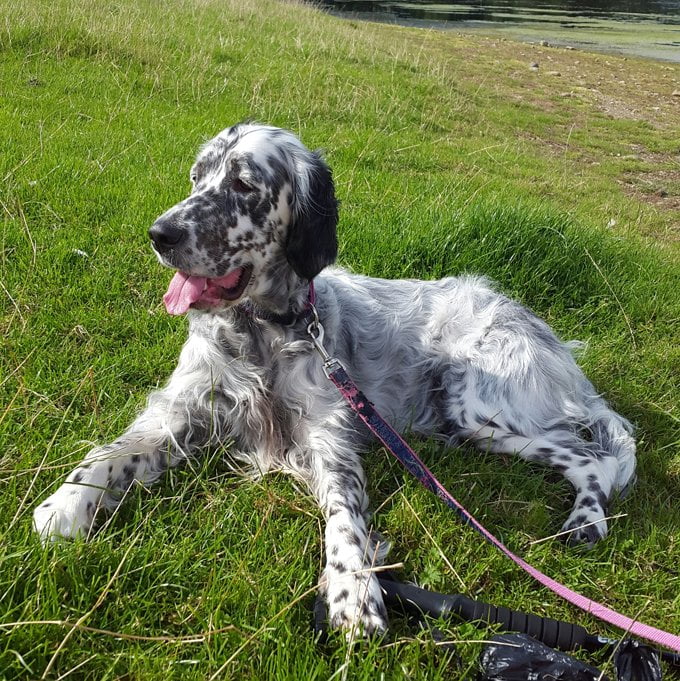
[184,290]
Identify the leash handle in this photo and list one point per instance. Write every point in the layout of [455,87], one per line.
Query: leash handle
[553,633]
[412,462]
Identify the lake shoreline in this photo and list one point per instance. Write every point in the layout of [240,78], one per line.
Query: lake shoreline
[644,39]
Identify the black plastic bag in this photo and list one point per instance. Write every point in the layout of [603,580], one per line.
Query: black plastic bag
[518,657]
[635,661]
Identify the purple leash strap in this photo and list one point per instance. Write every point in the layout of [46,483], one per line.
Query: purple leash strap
[411,461]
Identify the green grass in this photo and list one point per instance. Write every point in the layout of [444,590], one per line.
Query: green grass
[450,155]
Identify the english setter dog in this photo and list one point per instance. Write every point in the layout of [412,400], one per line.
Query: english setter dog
[450,358]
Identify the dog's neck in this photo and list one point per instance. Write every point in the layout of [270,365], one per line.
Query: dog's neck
[299,306]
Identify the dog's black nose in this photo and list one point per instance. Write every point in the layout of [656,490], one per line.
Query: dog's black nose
[164,233]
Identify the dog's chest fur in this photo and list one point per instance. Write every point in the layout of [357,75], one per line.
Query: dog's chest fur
[268,386]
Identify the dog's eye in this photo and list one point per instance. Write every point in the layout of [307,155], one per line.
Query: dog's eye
[238,185]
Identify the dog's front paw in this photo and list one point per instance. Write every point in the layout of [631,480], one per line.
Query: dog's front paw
[355,604]
[67,513]
[585,527]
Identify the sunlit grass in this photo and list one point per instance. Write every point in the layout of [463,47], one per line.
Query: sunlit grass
[450,156]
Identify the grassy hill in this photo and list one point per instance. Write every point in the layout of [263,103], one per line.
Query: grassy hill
[451,154]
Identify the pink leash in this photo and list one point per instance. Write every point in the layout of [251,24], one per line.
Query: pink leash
[412,462]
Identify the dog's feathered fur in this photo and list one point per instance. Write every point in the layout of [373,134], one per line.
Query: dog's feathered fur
[451,358]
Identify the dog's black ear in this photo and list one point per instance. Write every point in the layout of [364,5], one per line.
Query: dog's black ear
[312,241]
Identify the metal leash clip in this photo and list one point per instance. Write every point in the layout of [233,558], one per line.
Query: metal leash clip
[317,334]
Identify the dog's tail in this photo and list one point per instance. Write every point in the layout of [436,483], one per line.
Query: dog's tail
[614,435]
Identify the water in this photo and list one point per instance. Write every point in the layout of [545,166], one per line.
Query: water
[648,28]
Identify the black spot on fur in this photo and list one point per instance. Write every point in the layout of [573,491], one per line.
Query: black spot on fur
[342,596]
[128,476]
[353,538]
[588,501]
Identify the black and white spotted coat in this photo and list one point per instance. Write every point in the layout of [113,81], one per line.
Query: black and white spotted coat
[451,358]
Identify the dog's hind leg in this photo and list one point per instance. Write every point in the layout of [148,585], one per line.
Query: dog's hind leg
[593,470]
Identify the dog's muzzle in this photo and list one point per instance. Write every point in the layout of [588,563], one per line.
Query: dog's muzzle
[166,234]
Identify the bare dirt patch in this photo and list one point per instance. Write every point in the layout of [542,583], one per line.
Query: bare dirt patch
[657,183]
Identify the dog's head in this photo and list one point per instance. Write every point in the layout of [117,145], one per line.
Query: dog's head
[261,213]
